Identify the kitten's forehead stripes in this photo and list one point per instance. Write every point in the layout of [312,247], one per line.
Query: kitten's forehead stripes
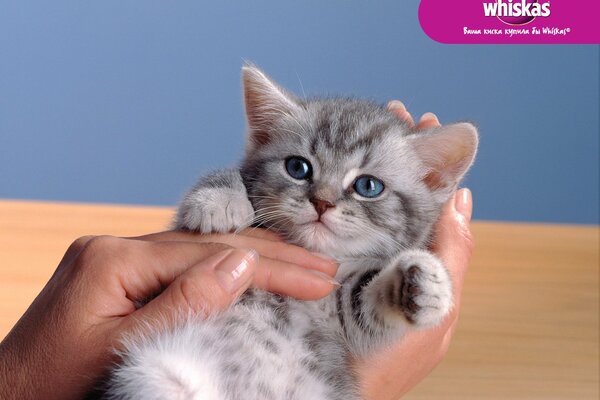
[346,127]
[367,156]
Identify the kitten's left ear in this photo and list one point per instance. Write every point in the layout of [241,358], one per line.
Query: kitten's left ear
[447,153]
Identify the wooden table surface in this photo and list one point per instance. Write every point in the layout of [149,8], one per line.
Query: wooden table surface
[530,317]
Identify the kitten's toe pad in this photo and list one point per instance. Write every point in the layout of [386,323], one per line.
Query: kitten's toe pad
[425,288]
[214,210]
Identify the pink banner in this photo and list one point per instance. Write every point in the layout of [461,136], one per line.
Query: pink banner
[511,21]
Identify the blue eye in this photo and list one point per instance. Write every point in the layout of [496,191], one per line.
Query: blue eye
[368,186]
[298,168]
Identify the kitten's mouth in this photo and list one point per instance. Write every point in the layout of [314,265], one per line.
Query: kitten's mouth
[320,226]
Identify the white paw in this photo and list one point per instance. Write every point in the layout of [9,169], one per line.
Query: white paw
[210,210]
[424,289]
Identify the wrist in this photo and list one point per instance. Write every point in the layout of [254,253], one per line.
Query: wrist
[16,375]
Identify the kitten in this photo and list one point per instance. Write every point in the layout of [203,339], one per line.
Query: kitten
[342,177]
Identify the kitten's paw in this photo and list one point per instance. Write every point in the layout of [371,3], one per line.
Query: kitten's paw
[210,210]
[422,288]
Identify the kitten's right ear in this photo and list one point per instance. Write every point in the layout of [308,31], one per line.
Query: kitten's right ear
[447,153]
[265,103]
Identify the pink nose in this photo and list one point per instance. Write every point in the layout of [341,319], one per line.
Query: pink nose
[321,205]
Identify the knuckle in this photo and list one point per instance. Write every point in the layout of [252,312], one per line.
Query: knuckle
[262,233]
[216,247]
[469,240]
[445,345]
[448,334]
[282,248]
[79,243]
[269,278]
[101,243]
[101,252]
[463,231]
[76,247]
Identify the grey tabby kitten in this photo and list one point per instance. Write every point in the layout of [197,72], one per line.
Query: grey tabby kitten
[342,177]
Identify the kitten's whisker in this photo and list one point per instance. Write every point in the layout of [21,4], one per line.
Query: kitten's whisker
[265,214]
[301,85]
[390,241]
[264,196]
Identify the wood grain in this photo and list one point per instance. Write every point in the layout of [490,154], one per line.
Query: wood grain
[530,316]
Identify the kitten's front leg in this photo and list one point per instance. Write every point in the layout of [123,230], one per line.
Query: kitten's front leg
[377,305]
[416,287]
[217,203]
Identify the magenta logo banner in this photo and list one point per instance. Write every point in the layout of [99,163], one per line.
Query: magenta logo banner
[511,21]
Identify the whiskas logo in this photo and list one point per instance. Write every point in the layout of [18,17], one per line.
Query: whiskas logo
[516,12]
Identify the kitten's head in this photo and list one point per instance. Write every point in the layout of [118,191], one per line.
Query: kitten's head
[346,177]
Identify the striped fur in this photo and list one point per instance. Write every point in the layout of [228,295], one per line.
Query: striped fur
[271,347]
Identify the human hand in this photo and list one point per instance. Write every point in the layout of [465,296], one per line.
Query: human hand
[392,372]
[64,341]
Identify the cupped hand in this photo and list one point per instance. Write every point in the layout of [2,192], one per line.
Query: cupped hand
[390,373]
[65,339]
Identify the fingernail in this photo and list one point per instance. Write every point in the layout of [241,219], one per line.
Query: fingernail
[325,257]
[396,105]
[233,271]
[325,277]
[429,116]
[463,203]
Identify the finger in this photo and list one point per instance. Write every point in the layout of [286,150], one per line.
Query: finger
[453,241]
[272,249]
[464,203]
[180,236]
[158,264]
[291,280]
[398,108]
[260,233]
[285,252]
[152,266]
[428,120]
[209,286]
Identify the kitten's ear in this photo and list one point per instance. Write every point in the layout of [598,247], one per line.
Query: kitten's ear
[265,103]
[447,153]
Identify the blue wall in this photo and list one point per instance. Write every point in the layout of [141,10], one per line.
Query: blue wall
[127,102]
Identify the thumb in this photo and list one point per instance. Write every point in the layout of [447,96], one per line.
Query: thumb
[453,241]
[207,287]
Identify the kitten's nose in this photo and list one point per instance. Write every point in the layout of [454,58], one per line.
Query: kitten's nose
[321,205]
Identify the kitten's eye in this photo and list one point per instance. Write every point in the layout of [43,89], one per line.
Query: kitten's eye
[368,186]
[298,168]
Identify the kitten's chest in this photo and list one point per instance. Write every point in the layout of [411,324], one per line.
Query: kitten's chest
[288,316]
[351,266]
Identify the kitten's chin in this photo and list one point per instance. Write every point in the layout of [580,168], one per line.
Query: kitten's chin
[315,236]
[319,237]
[318,231]
[322,230]
[326,237]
